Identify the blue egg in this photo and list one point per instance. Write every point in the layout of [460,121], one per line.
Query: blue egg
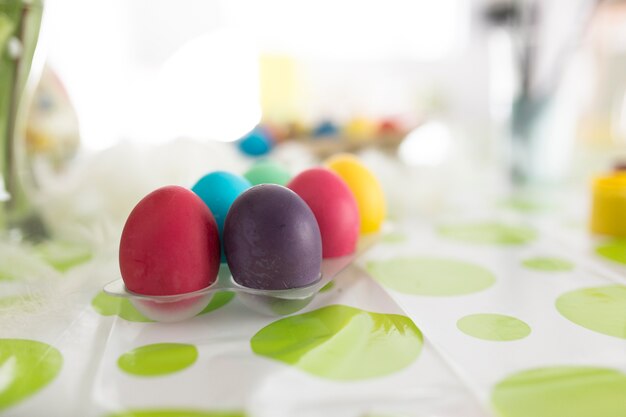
[325,129]
[256,143]
[218,190]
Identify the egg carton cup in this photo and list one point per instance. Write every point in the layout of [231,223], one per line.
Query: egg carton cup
[179,307]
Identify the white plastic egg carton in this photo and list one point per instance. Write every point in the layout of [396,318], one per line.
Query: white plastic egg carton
[179,307]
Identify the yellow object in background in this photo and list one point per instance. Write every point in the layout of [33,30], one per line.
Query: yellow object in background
[52,128]
[298,128]
[365,187]
[360,129]
[280,84]
[608,214]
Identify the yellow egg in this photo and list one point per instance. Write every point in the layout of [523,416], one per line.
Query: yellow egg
[365,187]
[360,129]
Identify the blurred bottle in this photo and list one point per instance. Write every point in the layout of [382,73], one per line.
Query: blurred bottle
[541,38]
[602,130]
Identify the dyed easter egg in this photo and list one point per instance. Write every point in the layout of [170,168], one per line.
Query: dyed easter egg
[360,129]
[389,127]
[365,187]
[256,143]
[334,207]
[297,129]
[218,190]
[170,244]
[272,240]
[326,128]
[278,133]
[267,172]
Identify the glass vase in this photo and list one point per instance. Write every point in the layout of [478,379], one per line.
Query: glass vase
[20,21]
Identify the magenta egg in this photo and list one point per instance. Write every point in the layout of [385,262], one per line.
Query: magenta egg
[334,207]
[170,244]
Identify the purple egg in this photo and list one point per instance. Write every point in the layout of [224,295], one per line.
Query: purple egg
[272,240]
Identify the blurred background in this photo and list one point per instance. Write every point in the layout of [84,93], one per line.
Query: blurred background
[446,98]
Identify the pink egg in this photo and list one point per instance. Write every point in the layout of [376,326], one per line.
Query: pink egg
[334,207]
[170,244]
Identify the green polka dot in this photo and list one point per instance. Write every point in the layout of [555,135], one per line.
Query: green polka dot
[525,205]
[108,305]
[614,250]
[15,301]
[6,275]
[176,413]
[601,309]
[26,366]
[17,263]
[394,237]
[158,359]
[489,233]
[431,276]
[494,327]
[220,299]
[341,343]
[8,302]
[63,255]
[546,264]
[329,286]
[562,392]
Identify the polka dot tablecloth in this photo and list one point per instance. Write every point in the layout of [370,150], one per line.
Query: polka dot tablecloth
[352,351]
[505,317]
[525,314]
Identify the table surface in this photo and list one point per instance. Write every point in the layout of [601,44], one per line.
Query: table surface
[509,310]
